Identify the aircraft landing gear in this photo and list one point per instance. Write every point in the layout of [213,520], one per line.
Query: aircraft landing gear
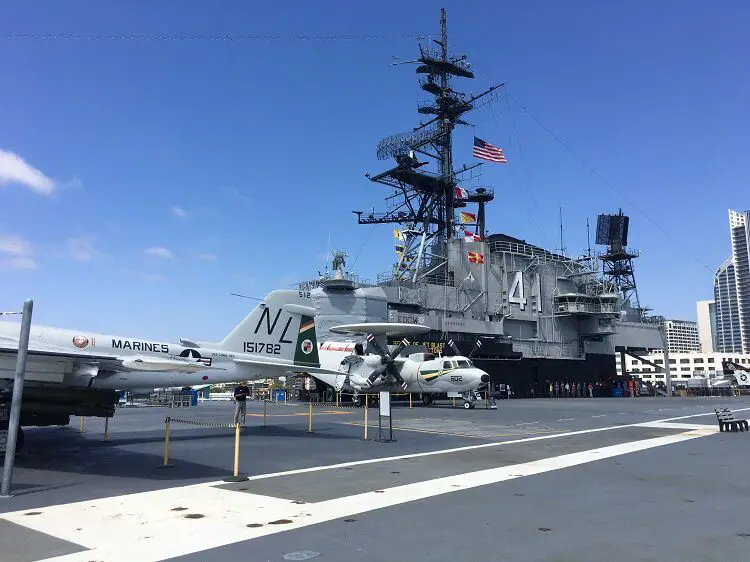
[470,400]
[359,401]
[426,399]
[4,439]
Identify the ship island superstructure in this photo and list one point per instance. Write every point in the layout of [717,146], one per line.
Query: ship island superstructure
[540,316]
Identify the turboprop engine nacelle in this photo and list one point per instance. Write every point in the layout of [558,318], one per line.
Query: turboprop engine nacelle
[361,370]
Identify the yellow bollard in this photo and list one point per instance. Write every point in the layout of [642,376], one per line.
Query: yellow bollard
[265,411]
[236,450]
[309,418]
[367,407]
[236,475]
[410,401]
[453,402]
[106,429]
[338,395]
[486,400]
[81,429]
[166,445]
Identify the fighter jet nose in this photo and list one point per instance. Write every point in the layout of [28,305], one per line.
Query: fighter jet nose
[485,378]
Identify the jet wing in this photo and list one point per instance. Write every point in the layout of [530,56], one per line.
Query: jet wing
[112,362]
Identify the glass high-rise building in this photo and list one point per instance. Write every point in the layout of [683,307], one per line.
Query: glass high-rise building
[732,289]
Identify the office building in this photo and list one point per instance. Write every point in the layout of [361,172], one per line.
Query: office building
[707,325]
[739,224]
[683,366]
[732,289]
[682,336]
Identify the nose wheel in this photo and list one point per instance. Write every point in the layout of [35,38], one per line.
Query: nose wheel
[470,400]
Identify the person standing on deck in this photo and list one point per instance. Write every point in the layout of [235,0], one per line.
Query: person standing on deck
[241,392]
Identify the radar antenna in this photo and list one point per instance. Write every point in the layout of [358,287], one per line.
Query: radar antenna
[617,259]
[426,201]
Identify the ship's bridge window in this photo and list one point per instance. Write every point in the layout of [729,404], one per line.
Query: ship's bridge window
[463,364]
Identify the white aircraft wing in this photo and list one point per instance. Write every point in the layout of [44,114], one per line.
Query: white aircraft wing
[110,362]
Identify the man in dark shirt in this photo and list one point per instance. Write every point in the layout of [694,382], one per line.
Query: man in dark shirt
[241,392]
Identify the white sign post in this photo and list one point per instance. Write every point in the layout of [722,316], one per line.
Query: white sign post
[384,411]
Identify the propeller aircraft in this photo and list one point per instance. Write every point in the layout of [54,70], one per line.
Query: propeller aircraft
[405,368]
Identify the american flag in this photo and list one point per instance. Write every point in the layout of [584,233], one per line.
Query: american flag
[486,151]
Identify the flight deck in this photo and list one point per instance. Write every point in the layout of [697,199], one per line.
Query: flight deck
[555,479]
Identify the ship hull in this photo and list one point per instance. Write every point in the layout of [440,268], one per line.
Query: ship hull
[528,377]
[531,378]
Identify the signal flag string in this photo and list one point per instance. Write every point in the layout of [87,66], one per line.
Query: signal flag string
[611,185]
[607,183]
[180,37]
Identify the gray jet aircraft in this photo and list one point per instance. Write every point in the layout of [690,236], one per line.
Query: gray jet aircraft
[77,372]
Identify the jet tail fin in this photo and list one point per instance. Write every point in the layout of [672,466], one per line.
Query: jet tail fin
[281,327]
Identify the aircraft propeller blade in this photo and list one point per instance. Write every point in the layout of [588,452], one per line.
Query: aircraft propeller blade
[387,360]
[476,347]
[452,345]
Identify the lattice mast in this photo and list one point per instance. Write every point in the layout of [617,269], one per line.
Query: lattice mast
[617,259]
[425,201]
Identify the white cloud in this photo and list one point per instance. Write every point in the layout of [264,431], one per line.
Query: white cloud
[18,263]
[80,249]
[150,277]
[234,192]
[73,183]
[144,276]
[208,257]
[14,169]
[180,212]
[14,245]
[160,252]
[20,251]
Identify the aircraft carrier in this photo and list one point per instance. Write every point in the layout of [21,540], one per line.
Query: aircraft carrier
[539,316]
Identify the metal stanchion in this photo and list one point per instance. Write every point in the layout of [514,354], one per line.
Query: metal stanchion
[309,418]
[236,475]
[410,405]
[166,445]
[367,408]
[106,429]
[265,411]
[81,428]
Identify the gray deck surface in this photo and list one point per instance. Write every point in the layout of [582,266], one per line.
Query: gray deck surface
[682,501]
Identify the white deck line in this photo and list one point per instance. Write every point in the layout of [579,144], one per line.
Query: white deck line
[156,533]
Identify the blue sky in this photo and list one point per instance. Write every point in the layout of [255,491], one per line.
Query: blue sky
[141,182]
